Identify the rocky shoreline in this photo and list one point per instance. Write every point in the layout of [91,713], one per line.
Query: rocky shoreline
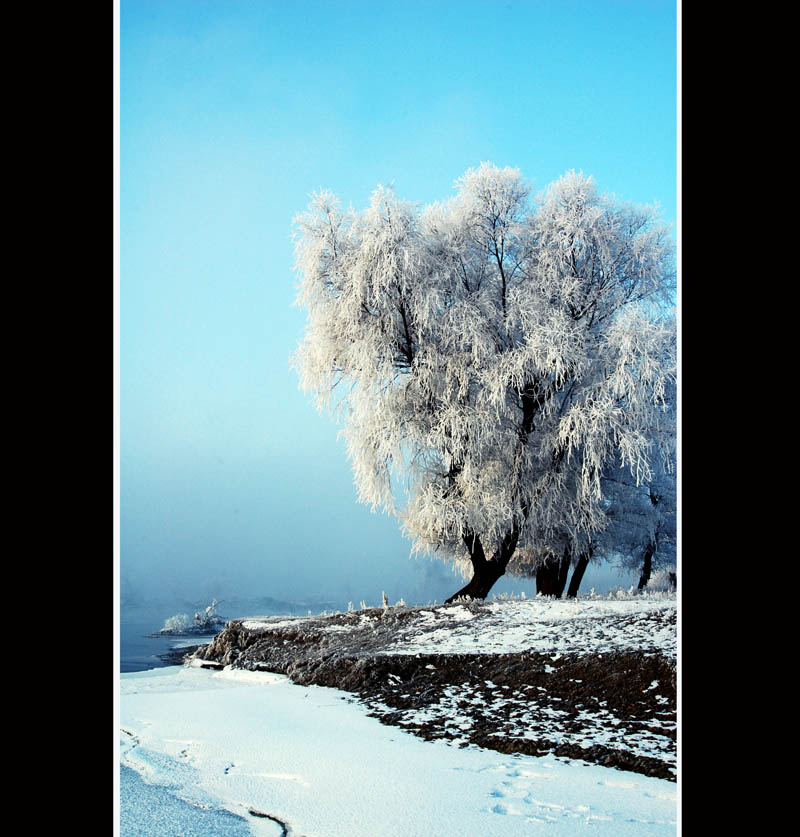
[604,704]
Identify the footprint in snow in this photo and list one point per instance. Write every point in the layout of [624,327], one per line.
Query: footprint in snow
[505,809]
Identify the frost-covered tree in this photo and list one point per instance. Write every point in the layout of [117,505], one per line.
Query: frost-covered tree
[639,532]
[492,355]
[642,534]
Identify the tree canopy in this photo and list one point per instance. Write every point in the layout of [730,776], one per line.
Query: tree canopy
[495,355]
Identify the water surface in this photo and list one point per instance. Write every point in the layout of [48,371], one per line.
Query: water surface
[153,810]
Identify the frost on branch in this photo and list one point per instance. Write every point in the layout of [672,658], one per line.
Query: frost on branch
[491,357]
[204,622]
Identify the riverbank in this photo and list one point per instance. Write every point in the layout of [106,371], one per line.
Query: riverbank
[592,679]
[509,717]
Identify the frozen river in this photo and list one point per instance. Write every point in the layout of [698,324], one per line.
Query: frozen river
[147,810]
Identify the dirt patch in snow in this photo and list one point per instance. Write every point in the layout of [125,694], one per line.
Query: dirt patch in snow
[614,707]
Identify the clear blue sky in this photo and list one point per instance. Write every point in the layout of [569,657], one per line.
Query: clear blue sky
[231,114]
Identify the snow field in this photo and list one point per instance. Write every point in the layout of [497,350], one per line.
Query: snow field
[252,741]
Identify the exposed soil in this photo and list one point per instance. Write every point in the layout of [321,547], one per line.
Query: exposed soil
[617,709]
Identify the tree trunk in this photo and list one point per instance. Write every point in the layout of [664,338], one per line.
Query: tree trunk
[577,575]
[547,577]
[563,572]
[485,572]
[647,566]
[482,581]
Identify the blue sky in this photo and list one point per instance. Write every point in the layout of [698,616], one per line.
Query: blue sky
[230,115]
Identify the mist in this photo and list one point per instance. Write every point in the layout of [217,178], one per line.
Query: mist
[274,531]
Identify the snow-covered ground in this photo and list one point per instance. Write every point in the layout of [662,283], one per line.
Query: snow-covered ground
[590,624]
[598,625]
[257,745]
[255,742]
